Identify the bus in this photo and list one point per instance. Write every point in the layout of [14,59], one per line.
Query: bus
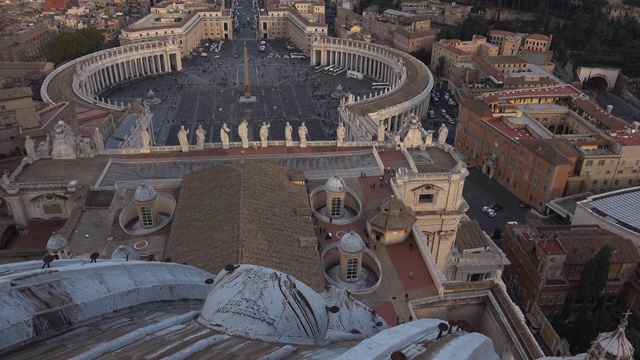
[297,56]
[319,68]
[328,69]
[355,75]
[338,71]
[380,85]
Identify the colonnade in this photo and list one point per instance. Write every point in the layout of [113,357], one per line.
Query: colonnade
[408,92]
[373,67]
[124,69]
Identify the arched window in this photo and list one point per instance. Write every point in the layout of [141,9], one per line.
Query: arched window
[146,217]
[352,269]
[335,206]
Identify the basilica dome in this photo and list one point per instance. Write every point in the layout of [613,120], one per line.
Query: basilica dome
[351,243]
[335,184]
[145,193]
[56,242]
[125,253]
[265,304]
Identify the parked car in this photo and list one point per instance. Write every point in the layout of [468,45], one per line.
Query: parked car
[491,213]
[485,209]
[495,206]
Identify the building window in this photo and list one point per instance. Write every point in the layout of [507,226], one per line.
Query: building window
[601,162]
[7,120]
[549,172]
[335,206]
[2,107]
[147,218]
[425,199]
[535,181]
[52,209]
[352,269]
[544,188]
[589,163]
[510,164]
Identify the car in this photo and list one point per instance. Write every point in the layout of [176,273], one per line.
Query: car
[285,56]
[444,112]
[491,214]
[486,209]
[235,56]
[217,57]
[493,205]
[448,118]
[512,223]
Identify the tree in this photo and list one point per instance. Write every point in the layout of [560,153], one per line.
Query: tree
[440,66]
[594,275]
[71,45]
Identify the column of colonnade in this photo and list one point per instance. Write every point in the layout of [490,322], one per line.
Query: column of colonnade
[369,66]
[126,69]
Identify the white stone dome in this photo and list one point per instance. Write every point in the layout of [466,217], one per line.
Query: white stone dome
[145,193]
[125,253]
[351,243]
[335,184]
[56,242]
[265,304]
[614,345]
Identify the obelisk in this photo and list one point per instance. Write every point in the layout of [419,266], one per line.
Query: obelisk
[247,91]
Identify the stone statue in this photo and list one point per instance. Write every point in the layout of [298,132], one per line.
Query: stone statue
[340,132]
[381,130]
[84,148]
[224,136]
[98,140]
[288,131]
[302,132]
[429,138]
[146,139]
[243,132]
[30,146]
[264,134]
[44,149]
[442,134]
[182,138]
[64,144]
[137,106]
[200,135]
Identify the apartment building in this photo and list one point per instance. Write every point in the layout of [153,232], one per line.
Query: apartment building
[177,22]
[26,45]
[16,110]
[300,23]
[546,263]
[548,142]
[454,50]
[382,27]
[511,43]
[412,41]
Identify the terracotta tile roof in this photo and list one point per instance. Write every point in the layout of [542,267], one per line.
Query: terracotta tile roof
[455,50]
[477,107]
[552,150]
[391,214]
[583,242]
[245,214]
[610,121]
[505,59]
[470,236]
[537,37]
[487,67]
[501,32]
[14,93]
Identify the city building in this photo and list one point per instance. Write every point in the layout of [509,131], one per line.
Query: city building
[570,138]
[448,51]
[176,23]
[301,23]
[58,5]
[415,30]
[26,45]
[616,211]
[546,263]
[17,110]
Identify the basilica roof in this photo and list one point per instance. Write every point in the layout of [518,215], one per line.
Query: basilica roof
[391,214]
[252,213]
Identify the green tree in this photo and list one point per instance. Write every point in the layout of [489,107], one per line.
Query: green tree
[440,67]
[71,45]
[474,24]
[594,275]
